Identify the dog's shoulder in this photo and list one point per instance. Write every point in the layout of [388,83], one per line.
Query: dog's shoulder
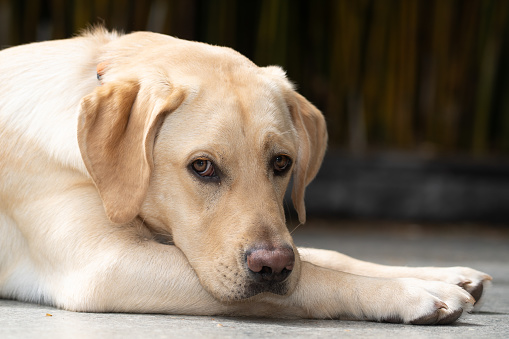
[41,85]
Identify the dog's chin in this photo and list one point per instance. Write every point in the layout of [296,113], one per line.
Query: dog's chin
[250,290]
[281,288]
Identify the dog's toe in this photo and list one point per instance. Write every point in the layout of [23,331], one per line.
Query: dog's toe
[477,290]
[450,318]
[429,319]
[441,315]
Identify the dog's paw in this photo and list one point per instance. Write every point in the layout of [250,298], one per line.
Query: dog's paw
[475,283]
[472,281]
[429,302]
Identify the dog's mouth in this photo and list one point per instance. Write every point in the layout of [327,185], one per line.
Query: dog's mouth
[280,288]
[244,279]
[251,289]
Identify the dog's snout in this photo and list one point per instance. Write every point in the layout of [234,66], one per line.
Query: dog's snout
[270,264]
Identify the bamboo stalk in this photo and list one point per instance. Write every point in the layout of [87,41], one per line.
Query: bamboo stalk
[60,19]
[490,41]
[5,22]
[120,16]
[30,19]
[82,14]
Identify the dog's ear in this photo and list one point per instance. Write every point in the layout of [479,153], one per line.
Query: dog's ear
[312,132]
[117,124]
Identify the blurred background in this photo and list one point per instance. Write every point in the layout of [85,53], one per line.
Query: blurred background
[415,92]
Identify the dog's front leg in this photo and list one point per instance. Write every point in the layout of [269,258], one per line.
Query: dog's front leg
[473,281]
[144,278]
[326,293]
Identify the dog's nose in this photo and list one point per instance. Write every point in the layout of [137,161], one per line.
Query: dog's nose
[270,264]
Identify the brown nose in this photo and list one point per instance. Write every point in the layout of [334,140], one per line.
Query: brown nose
[270,264]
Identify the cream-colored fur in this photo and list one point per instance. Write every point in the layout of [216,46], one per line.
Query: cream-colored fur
[102,210]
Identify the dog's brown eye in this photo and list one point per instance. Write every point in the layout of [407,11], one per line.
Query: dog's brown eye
[204,168]
[282,163]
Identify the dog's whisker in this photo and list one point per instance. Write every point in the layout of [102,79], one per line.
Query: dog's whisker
[295,228]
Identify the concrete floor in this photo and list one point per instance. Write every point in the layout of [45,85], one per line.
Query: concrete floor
[481,247]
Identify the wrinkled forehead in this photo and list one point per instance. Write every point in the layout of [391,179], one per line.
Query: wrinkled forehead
[257,105]
[237,113]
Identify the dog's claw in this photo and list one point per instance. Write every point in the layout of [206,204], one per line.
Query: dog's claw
[463,283]
[441,304]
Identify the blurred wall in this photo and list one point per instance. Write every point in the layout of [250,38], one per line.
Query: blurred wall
[425,76]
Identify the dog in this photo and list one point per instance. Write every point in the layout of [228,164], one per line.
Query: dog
[144,173]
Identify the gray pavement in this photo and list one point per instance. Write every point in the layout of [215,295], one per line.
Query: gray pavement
[481,247]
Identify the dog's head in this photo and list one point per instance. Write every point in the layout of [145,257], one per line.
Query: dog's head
[200,143]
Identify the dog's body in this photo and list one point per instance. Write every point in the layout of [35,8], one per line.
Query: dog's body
[142,173]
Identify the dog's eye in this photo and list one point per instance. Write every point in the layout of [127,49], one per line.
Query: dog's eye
[204,168]
[282,163]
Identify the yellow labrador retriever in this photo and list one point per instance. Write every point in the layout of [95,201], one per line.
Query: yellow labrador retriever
[143,173]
